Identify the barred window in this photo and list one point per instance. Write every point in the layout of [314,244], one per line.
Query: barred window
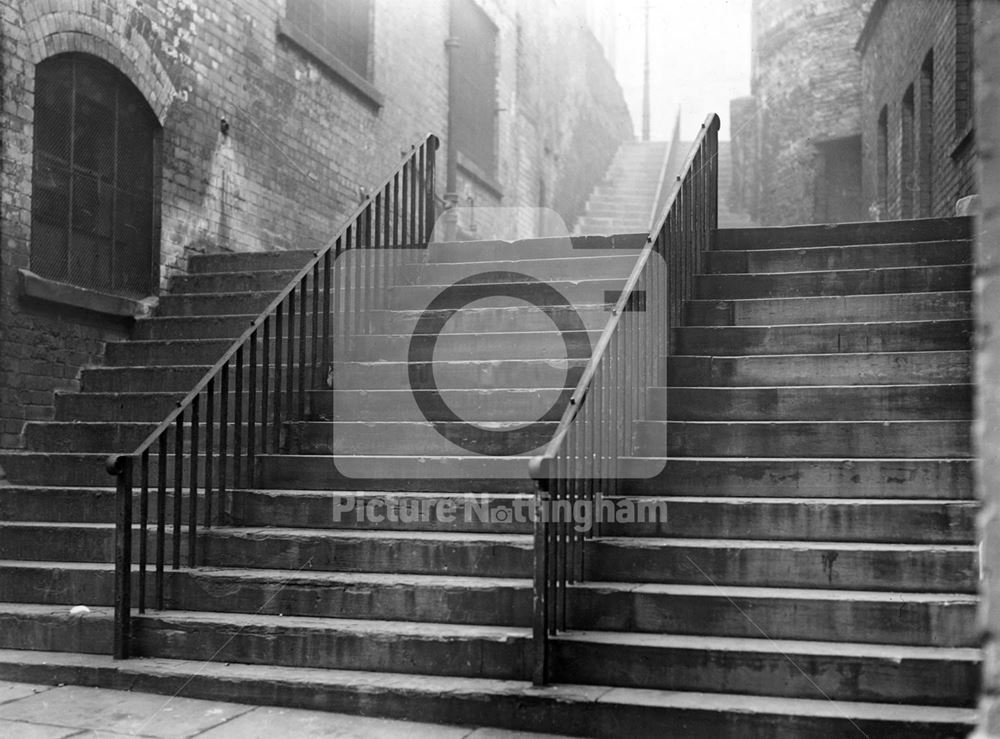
[94,202]
[963,66]
[474,105]
[341,28]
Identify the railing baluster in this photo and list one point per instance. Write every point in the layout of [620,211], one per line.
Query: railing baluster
[143,526]
[209,449]
[223,439]
[252,412]
[237,431]
[278,323]
[303,306]
[290,355]
[178,487]
[265,385]
[161,518]
[123,557]
[193,494]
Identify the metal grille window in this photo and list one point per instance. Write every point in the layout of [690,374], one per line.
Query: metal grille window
[341,27]
[474,103]
[94,204]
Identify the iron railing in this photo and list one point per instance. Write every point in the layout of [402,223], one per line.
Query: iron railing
[208,444]
[582,461]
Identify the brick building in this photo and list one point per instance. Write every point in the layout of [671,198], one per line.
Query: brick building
[860,110]
[254,126]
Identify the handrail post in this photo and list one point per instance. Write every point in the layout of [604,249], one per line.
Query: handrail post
[121,468]
[540,586]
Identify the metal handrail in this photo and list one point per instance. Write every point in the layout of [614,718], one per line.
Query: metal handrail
[581,461]
[332,305]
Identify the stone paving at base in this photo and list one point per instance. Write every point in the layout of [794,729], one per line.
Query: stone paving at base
[30,711]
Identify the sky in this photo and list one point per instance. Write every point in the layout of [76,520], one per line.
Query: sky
[699,59]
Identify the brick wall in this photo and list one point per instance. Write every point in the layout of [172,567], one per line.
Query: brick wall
[806,86]
[894,50]
[300,141]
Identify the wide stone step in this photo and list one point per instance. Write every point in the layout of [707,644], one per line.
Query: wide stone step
[53,629]
[466,474]
[506,316]
[68,542]
[214,304]
[868,256]
[457,375]
[87,437]
[68,584]
[515,705]
[803,519]
[418,437]
[551,345]
[391,646]
[834,282]
[249,261]
[812,403]
[487,601]
[591,291]
[87,469]
[192,327]
[840,309]
[58,503]
[842,439]
[776,667]
[588,264]
[917,619]
[148,406]
[866,232]
[231,282]
[411,552]
[530,249]
[384,511]
[800,478]
[826,338]
[872,368]
[175,378]
[933,568]
[517,404]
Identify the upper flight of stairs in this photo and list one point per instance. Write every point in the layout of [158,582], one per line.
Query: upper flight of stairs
[623,202]
[816,575]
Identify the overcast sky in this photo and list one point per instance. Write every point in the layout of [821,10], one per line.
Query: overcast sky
[699,59]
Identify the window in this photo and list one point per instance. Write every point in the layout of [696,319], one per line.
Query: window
[926,149]
[95,181]
[882,154]
[963,67]
[342,28]
[474,96]
[907,170]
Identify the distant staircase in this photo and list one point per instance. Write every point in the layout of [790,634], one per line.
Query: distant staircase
[623,202]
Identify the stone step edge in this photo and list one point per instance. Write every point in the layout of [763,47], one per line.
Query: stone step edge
[503,703]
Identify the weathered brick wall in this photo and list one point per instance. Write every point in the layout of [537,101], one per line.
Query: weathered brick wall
[893,54]
[300,142]
[987,309]
[806,81]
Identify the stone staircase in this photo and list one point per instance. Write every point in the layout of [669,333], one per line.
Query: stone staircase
[623,202]
[816,575]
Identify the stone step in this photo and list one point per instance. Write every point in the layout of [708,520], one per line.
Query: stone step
[192,327]
[894,368]
[47,584]
[517,404]
[485,374]
[492,652]
[587,264]
[57,542]
[867,232]
[841,439]
[514,705]
[866,256]
[917,619]
[493,315]
[826,338]
[213,304]
[249,261]
[932,568]
[551,293]
[81,469]
[400,552]
[175,378]
[148,406]
[392,438]
[500,345]
[816,477]
[106,437]
[166,352]
[764,666]
[530,249]
[58,503]
[232,282]
[410,472]
[812,403]
[53,629]
[841,309]
[834,282]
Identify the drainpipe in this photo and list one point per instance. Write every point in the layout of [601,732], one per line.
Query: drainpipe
[451,185]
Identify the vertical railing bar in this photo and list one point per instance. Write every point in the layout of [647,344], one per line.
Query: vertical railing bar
[223,439]
[161,518]
[327,297]
[193,485]
[178,486]
[315,376]
[265,385]
[290,355]
[123,558]
[237,431]
[278,327]
[303,312]
[252,411]
[143,527]
[209,449]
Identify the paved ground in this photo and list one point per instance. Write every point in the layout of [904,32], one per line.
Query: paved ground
[46,712]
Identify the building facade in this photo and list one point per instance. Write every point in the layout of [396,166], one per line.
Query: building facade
[860,110]
[136,133]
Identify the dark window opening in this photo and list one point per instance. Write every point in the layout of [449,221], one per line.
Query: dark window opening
[908,186]
[340,27]
[926,148]
[838,191]
[474,103]
[963,67]
[882,155]
[95,180]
